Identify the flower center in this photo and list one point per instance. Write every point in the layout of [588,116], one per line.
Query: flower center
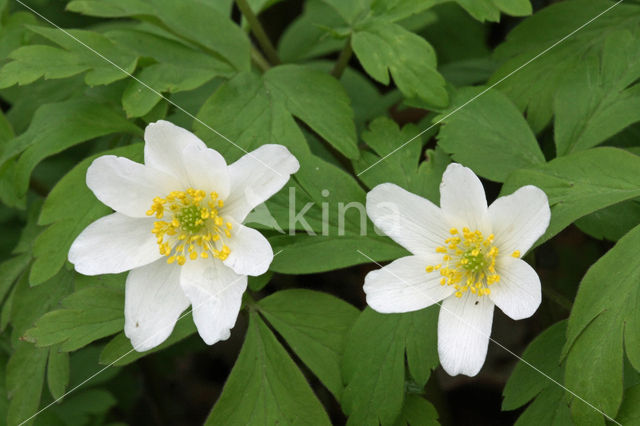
[195,227]
[468,262]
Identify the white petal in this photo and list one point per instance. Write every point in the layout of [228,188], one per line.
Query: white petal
[163,147]
[126,186]
[519,219]
[518,293]
[206,170]
[410,220]
[251,253]
[114,244]
[462,199]
[215,292]
[405,286]
[256,176]
[464,327]
[153,302]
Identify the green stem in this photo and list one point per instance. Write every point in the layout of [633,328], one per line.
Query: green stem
[259,60]
[258,32]
[343,59]
[557,297]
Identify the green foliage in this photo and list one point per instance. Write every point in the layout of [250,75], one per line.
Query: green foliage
[526,382]
[603,319]
[533,87]
[581,183]
[265,386]
[314,325]
[355,95]
[488,134]
[266,106]
[378,398]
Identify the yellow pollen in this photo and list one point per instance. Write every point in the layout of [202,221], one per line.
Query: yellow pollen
[516,253]
[195,228]
[468,262]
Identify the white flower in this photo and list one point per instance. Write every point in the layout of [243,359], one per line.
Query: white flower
[465,254]
[178,228]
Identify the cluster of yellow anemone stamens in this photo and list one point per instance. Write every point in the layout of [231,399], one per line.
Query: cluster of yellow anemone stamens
[195,228]
[468,262]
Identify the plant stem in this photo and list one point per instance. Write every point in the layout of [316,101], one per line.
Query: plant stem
[557,297]
[259,60]
[343,59]
[258,32]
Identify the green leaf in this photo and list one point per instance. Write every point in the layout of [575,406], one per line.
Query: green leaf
[25,377]
[403,167]
[543,352]
[199,22]
[86,315]
[383,47]
[488,134]
[10,271]
[611,223]
[138,99]
[417,411]
[307,36]
[535,85]
[57,372]
[314,325]
[307,254]
[69,208]
[35,61]
[251,111]
[377,343]
[265,386]
[350,11]
[31,303]
[581,183]
[629,413]
[603,318]
[550,405]
[54,128]
[80,407]
[598,99]
[119,351]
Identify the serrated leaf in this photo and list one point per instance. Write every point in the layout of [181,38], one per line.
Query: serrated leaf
[488,134]
[603,318]
[533,87]
[307,36]
[200,23]
[375,382]
[265,386]
[79,407]
[54,128]
[25,377]
[138,99]
[599,99]
[350,11]
[383,47]
[30,303]
[252,111]
[581,183]
[314,325]
[403,167]
[57,372]
[69,208]
[35,61]
[86,315]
